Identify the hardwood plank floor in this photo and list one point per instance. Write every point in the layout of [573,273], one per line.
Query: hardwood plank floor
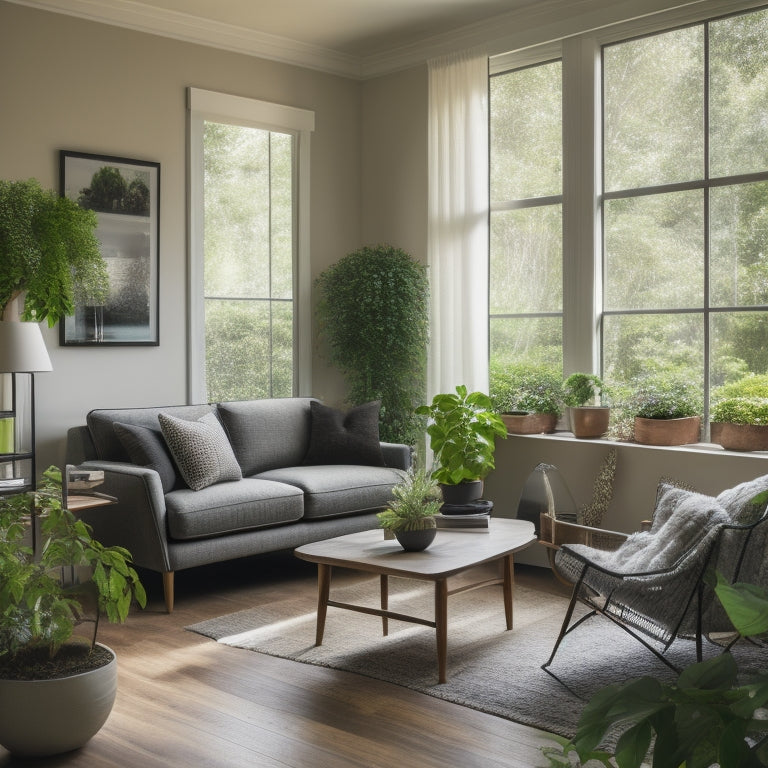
[183,700]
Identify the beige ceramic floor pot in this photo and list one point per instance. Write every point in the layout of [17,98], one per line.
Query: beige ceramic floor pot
[47,717]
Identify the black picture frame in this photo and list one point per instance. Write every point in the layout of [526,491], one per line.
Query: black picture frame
[127,206]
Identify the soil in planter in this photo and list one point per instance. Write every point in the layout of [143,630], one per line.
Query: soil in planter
[36,664]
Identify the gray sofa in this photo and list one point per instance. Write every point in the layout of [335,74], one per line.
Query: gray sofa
[286,496]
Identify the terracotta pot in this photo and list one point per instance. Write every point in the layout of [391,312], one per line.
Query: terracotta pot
[739,437]
[668,431]
[589,421]
[525,423]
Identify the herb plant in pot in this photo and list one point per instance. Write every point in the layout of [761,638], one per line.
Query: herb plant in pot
[410,515]
[582,393]
[462,433]
[56,686]
[739,419]
[667,411]
[529,398]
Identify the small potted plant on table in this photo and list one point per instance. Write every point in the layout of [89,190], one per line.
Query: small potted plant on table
[56,688]
[667,411]
[462,431]
[410,516]
[583,393]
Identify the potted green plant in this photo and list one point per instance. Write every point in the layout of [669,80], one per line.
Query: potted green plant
[529,398]
[739,418]
[56,685]
[462,432]
[49,252]
[410,516]
[373,315]
[667,410]
[583,393]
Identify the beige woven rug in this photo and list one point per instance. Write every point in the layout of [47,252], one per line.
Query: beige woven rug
[489,668]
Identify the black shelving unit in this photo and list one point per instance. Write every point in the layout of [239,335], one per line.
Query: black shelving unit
[18,471]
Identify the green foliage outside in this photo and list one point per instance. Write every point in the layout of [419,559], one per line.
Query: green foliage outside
[373,316]
[462,431]
[49,251]
[702,719]
[36,610]
[416,501]
[520,387]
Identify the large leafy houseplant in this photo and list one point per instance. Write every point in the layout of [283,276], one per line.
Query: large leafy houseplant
[373,315]
[462,430]
[49,252]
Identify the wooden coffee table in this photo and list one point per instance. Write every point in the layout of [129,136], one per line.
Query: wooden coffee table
[451,553]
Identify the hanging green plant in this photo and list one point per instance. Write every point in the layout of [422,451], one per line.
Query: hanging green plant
[373,315]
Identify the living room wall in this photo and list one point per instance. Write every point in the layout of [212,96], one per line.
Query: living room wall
[79,85]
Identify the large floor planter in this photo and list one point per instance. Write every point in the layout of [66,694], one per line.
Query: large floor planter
[589,421]
[47,717]
[525,423]
[668,431]
[739,437]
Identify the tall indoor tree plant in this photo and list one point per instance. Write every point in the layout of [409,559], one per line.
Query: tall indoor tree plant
[373,315]
[49,252]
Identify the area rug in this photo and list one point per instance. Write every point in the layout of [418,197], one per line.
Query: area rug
[489,669]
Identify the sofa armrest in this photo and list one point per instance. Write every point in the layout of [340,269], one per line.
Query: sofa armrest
[137,521]
[397,455]
[80,445]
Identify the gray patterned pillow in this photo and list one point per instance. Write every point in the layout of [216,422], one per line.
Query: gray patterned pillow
[200,449]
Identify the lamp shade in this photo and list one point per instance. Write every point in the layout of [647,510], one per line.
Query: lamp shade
[22,349]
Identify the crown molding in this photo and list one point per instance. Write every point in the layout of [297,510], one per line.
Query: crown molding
[193,29]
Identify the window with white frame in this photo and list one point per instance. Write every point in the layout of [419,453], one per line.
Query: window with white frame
[664,202]
[246,329]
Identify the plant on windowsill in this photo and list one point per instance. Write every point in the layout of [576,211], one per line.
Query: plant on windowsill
[667,410]
[529,398]
[49,252]
[739,418]
[56,685]
[462,432]
[410,515]
[583,394]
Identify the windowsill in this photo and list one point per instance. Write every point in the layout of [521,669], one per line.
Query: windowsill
[701,447]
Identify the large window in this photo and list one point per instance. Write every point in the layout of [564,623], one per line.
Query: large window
[245,246]
[661,263]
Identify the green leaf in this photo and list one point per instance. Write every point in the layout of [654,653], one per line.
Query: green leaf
[633,744]
[746,606]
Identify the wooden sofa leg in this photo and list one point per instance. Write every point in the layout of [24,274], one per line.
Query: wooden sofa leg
[168,590]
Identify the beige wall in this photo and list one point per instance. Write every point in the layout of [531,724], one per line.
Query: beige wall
[78,85]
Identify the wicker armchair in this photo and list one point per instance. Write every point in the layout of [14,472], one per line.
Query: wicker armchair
[653,585]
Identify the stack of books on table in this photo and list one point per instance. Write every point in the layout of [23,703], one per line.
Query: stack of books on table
[472,517]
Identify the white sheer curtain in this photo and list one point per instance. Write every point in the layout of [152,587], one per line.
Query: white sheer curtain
[457,249]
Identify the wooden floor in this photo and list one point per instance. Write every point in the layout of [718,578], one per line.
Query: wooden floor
[184,700]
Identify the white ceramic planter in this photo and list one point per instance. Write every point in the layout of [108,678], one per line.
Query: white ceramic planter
[47,717]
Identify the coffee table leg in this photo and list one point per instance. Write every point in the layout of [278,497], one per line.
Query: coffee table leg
[384,602]
[323,590]
[509,587]
[441,627]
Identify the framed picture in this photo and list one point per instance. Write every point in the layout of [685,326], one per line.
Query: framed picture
[125,195]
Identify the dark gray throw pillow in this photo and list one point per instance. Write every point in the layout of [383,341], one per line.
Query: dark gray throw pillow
[146,448]
[345,438]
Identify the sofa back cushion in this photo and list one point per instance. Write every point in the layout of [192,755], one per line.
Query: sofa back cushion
[105,440]
[268,434]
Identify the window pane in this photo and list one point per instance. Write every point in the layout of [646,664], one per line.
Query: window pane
[738,102]
[739,245]
[739,342]
[282,349]
[526,260]
[654,251]
[637,344]
[526,140]
[654,110]
[534,340]
[281,223]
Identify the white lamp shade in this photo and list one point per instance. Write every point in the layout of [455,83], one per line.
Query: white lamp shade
[22,349]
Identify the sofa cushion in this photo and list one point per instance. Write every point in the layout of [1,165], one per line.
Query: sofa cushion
[266,434]
[146,448]
[105,440]
[345,438]
[230,507]
[200,449]
[339,489]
